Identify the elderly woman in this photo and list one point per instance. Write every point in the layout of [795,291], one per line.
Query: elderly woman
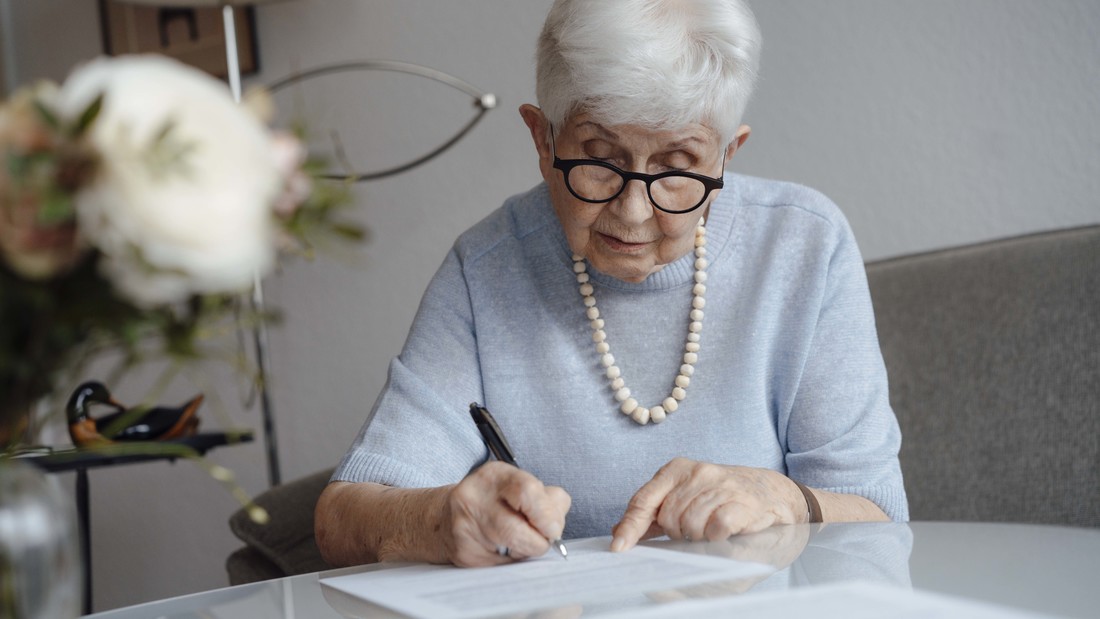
[670,349]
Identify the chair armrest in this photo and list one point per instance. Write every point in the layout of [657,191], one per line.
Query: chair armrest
[286,541]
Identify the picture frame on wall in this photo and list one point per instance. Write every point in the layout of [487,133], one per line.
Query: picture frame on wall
[193,35]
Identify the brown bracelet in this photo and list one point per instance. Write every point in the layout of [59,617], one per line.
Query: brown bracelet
[813,507]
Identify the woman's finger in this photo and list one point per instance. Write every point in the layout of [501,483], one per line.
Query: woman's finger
[695,518]
[645,505]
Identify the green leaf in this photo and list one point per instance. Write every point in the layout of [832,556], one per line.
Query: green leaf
[349,231]
[47,115]
[88,116]
[56,208]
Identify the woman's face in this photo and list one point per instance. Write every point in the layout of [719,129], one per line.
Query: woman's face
[627,237]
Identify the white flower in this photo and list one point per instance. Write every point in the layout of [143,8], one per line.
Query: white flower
[182,201]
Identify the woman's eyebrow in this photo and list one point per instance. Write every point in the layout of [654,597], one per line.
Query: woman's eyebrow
[602,130]
[606,133]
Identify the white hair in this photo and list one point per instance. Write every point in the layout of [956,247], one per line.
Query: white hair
[656,63]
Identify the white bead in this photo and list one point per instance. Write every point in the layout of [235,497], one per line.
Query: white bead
[699,290]
[656,414]
[607,359]
[696,314]
[679,393]
[692,346]
[590,301]
[582,278]
[578,267]
[695,326]
[700,263]
[694,338]
[577,258]
[701,276]
[622,394]
[687,369]
[682,381]
[593,313]
[700,252]
[629,406]
[697,302]
[691,358]
[618,383]
[700,241]
[599,335]
[614,372]
[603,347]
[641,415]
[586,289]
[597,323]
[670,404]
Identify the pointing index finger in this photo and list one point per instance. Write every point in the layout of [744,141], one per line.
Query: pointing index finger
[641,512]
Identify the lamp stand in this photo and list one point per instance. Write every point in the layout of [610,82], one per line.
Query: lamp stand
[259,330]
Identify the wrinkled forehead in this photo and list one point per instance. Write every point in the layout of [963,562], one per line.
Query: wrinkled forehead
[585,125]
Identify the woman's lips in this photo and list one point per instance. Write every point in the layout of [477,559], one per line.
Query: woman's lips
[620,245]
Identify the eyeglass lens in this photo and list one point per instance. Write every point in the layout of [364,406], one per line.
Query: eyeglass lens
[671,193]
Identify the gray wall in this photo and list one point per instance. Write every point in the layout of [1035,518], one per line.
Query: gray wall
[931,123]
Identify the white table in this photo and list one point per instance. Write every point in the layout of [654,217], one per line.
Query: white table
[1053,570]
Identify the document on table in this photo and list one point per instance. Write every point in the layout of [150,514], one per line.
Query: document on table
[847,600]
[591,574]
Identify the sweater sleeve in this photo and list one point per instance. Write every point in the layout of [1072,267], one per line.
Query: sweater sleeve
[842,435]
[419,433]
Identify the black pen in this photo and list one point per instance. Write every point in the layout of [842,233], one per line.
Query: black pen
[498,446]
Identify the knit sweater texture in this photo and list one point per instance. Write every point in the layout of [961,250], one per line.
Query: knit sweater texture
[789,376]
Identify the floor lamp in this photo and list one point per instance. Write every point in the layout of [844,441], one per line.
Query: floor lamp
[259,330]
[482,102]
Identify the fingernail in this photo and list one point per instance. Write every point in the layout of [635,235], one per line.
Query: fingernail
[618,544]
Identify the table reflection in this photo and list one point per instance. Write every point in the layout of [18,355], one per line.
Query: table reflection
[802,555]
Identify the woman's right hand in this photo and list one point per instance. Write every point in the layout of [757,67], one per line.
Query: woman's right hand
[501,506]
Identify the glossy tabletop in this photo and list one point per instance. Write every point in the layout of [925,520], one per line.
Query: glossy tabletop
[1045,569]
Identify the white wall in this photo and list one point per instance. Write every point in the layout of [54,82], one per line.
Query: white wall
[931,123]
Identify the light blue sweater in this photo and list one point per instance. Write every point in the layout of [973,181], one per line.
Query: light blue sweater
[789,376]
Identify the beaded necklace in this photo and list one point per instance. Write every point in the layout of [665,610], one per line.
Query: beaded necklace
[628,404]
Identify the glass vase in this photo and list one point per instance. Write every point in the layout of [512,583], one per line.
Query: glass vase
[40,568]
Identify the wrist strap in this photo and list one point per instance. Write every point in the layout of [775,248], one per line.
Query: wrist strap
[812,506]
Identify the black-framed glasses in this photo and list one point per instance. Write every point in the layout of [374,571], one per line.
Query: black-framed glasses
[595,181]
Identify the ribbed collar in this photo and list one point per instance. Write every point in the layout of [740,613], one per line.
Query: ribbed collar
[723,211]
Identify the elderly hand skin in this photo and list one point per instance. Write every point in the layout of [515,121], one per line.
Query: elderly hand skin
[501,505]
[496,505]
[698,500]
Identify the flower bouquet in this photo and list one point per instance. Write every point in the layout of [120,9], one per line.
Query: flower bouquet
[138,201]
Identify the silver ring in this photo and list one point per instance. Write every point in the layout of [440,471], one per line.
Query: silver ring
[503,551]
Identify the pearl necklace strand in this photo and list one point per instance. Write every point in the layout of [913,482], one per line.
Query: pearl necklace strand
[629,405]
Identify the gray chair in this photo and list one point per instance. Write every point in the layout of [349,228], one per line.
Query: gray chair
[993,354]
[285,546]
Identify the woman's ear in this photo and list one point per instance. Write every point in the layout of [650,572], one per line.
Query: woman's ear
[538,126]
[737,142]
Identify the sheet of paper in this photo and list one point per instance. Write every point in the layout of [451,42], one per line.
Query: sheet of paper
[854,600]
[591,574]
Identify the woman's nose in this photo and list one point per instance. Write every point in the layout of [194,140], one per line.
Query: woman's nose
[632,205]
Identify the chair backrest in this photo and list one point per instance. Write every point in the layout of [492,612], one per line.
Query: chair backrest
[993,354]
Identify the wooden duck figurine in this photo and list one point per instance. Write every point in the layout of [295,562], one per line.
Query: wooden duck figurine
[156,424]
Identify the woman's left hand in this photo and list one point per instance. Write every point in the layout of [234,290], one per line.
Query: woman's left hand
[687,499]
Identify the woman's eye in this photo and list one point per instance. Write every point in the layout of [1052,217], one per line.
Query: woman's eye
[679,164]
[598,150]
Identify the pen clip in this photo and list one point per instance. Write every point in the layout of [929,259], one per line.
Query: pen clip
[491,434]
